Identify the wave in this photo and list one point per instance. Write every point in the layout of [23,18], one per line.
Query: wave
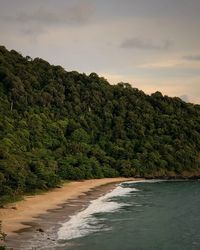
[84,222]
[143,181]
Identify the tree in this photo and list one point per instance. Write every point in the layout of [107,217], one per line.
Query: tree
[57,125]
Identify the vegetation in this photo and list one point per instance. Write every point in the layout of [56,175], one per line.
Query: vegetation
[57,125]
[2,237]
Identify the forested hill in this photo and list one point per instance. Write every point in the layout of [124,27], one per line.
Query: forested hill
[58,125]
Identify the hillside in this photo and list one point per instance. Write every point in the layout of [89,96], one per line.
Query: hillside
[57,125]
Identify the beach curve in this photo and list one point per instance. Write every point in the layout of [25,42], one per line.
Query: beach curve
[15,215]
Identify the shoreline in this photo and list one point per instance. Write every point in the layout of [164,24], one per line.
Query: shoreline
[19,215]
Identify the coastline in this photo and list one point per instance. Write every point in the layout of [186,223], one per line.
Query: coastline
[15,216]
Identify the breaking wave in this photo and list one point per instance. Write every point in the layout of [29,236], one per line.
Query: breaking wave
[85,222]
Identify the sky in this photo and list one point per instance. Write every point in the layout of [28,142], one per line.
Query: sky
[152,44]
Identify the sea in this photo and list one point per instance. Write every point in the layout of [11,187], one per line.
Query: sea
[142,215]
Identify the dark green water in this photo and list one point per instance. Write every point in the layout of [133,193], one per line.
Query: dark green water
[149,216]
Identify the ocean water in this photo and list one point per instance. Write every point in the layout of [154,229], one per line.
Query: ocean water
[146,215]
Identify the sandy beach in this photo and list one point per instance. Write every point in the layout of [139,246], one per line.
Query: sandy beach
[15,216]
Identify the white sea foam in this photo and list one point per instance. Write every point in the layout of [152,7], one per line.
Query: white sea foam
[143,181]
[84,222]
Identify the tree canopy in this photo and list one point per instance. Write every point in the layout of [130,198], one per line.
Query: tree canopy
[57,125]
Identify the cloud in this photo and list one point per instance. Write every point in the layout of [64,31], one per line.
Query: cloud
[38,20]
[192,58]
[79,13]
[143,44]
[185,98]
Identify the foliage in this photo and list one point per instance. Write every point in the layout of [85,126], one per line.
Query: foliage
[57,125]
[2,237]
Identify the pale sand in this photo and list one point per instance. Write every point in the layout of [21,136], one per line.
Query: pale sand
[14,215]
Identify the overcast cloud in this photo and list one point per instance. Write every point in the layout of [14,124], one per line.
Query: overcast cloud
[153,44]
[192,57]
[137,43]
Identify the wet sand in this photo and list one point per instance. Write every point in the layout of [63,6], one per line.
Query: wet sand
[34,221]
